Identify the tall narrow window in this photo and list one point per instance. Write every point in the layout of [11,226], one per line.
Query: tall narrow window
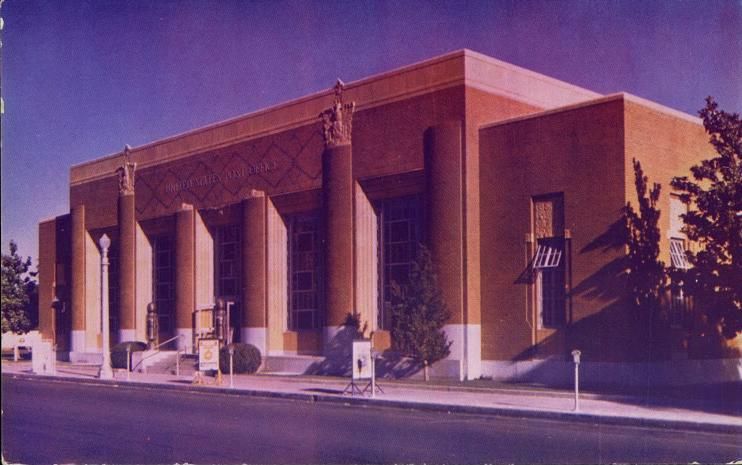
[400,222]
[163,282]
[680,303]
[113,288]
[304,272]
[228,269]
[549,261]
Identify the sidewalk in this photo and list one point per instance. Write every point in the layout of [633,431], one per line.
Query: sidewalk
[719,415]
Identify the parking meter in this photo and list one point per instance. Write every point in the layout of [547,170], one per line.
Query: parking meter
[576,358]
[152,325]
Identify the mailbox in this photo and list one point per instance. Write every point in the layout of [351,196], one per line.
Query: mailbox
[576,356]
[152,325]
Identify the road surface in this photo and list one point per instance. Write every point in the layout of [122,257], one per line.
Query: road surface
[49,421]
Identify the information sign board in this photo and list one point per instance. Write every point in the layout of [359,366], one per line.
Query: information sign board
[208,354]
[362,359]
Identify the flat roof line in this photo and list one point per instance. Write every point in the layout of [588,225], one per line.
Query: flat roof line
[608,98]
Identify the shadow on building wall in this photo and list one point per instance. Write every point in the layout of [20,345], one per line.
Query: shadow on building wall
[338,355]
[624,347]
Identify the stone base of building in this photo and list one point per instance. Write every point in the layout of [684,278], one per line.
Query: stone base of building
[626,374]
[92,358]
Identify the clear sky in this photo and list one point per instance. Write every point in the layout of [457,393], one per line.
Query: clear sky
[82,78]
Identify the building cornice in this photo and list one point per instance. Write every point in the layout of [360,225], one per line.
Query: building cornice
[458,68]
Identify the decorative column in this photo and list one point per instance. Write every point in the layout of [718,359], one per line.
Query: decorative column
[127,249]
[254,311]
[185,273]
[337,190]
[106,372]
[77,279]
[445,226]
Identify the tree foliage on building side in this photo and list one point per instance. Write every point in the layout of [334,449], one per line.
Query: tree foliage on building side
[646,273]
[714,196]
[19,292]
[419,313]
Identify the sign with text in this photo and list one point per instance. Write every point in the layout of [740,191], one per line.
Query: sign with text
[362,359]
[208,354]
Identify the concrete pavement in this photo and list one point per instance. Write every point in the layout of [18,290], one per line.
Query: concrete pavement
[720,415]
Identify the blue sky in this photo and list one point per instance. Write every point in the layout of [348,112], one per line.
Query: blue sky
[82,78]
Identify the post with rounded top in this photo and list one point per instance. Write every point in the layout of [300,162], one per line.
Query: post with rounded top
[105,369]
[219,321]
[152,325]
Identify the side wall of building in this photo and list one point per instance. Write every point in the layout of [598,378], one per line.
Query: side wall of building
[577,153]
[667,145]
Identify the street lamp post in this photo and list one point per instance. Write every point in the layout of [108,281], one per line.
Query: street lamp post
[105,369]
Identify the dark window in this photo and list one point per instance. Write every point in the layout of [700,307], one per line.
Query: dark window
[305,264]
[550,260]
[164,281]
[551,281]
[228,268]
[113,288]
[400,221]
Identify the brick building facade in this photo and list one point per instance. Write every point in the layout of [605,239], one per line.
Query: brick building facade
[305,212]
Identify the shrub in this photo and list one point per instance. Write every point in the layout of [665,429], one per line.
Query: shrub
[118,352]
[247,358]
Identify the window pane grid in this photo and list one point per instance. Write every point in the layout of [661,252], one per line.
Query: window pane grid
[399,231]
[163,282]
[228,270]
[304,272]
[113,288]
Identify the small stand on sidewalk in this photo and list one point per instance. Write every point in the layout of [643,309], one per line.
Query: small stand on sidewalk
[362,362]
[373,385]
[353,388]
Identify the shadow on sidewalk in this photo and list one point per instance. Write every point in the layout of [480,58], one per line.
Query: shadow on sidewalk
[323,390]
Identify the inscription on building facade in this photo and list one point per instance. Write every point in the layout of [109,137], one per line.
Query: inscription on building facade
[210,179]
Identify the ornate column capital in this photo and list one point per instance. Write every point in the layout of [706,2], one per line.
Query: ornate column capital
[337,122]
[126,173]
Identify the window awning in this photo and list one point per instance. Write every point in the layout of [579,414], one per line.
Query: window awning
[547,257]
[677,254]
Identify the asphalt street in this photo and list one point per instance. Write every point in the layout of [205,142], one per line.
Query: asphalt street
[52,421]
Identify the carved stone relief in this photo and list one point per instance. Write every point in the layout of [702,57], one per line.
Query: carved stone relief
[126,173]
[549,221]
[337,122]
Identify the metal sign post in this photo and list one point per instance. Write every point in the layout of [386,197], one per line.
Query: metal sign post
[231,366]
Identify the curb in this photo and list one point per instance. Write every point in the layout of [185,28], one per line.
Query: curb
[403,405]
[524,391]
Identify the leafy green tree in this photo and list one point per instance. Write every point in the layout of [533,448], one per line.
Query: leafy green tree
[419,313]
[714,197]
[19,292]
[646,277]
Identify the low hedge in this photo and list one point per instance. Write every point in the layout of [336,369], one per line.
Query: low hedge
[247,358]
[118,353]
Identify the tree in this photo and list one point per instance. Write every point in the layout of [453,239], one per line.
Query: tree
[419,313]
[646,276]
[713,221]
[19,292]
